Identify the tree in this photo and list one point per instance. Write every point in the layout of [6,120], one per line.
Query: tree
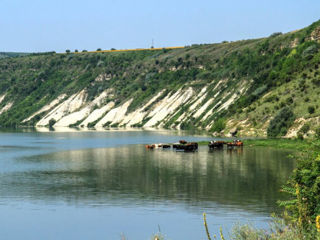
[67,51]
[76,50]
[99,49]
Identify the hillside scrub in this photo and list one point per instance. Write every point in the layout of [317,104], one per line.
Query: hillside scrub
[281,123]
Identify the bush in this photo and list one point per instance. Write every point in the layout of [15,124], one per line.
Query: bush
[310,51]
[300,136]
[52,122]
[280,124]
[305,128]
[276,34]
[317,131]
[219,125]
[304,186]
[311,109]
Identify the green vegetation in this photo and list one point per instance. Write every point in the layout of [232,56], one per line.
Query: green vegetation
[51,123]
[281,122]
[219,125]
[282,143]
[12,54]
[301,220]
[272,79]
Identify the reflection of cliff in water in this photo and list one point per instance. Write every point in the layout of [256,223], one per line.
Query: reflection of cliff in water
[248,178]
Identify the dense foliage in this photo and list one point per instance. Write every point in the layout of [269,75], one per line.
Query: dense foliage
[305,188]
[281,122]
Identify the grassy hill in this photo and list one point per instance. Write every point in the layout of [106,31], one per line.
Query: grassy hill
[249,85]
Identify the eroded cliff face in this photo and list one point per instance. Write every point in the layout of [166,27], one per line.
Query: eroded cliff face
[169,109]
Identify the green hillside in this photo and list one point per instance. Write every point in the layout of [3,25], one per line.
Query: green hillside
[12,54]
[246,83]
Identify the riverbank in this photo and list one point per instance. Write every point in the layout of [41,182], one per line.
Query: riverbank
[281,143]
[294,144]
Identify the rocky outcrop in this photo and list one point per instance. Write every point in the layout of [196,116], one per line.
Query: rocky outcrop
[315,35]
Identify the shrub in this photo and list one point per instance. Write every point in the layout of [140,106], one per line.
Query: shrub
[317,131]
[310,51]
[311,109]
[219,125]
[52,122]
[304,186]
[305,128]
[281,122]
[276,34]
[300,136]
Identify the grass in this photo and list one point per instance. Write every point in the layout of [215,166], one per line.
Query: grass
[294,144]
[283,143]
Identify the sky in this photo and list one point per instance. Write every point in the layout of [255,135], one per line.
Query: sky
[57,25]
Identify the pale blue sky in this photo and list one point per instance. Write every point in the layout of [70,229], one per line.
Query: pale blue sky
[56,25]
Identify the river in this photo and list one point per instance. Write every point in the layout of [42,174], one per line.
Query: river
[105,185]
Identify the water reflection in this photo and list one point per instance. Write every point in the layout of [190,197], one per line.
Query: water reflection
[247,179]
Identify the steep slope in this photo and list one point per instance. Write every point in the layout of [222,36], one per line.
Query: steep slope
[240,85]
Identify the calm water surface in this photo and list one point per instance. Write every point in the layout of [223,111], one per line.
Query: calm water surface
[100,185]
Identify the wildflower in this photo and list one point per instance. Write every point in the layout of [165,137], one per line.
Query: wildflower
[318,223]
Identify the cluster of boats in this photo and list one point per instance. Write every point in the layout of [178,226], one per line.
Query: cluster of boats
[185,146]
